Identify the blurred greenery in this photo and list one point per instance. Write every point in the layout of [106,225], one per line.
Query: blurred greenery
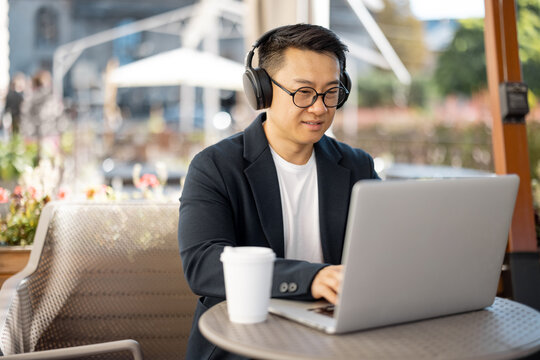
[434,144]
[461,68]
[440,144]
[15,156]
[381,88]
[528,15]
[533,140]
[376,89]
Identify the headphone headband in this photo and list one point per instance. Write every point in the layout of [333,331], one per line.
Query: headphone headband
[264,37]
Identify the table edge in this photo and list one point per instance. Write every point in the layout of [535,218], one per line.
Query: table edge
[254,352]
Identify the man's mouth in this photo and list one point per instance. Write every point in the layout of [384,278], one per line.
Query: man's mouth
[312,122]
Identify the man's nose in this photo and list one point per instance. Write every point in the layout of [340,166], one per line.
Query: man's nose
[318,106]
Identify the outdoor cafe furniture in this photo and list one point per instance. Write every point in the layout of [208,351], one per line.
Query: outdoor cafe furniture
[505,330]
[102,278]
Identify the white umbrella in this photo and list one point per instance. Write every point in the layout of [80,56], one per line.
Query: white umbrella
[182,66]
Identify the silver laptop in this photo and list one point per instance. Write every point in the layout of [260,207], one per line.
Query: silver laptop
[416,249]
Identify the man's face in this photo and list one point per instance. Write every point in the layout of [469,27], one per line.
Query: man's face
[290,125]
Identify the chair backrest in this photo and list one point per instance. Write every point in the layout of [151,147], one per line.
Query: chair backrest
[104,272]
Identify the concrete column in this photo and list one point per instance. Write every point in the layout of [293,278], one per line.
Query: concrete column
[211,95]
[320,12]
[264,15]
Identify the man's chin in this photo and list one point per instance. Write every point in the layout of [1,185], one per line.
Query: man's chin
[312,139]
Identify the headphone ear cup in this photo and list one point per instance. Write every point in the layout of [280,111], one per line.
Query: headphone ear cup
[347,83]
[258,88]
[251,88]
[265,85]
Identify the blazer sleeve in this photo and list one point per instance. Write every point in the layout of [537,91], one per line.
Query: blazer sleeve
[206,226]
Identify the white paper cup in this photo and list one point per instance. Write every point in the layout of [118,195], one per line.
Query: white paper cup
[248,274]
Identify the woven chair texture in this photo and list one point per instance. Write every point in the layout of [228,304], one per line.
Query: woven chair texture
[105,272]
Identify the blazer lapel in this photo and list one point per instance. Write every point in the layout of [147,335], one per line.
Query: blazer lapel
[334,196]
[334,192]
[262,177]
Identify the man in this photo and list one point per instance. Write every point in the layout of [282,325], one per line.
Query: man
[14,100]
[281,183]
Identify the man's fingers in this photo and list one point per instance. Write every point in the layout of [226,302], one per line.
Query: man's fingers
[332,278]
[332,283]
[329,295]
[323,291]
[327,282]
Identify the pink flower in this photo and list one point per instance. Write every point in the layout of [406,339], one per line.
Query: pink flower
[4,195]
[62,193]
[17,190]
[148,180]
[32,191]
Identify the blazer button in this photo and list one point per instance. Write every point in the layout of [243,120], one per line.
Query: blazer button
[283,287]
[293,287]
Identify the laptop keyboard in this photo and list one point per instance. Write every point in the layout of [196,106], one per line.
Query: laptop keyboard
[327,310]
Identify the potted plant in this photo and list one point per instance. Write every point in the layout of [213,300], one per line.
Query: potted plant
[20,213]
[18,227]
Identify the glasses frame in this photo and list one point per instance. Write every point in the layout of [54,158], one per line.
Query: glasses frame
[314,100]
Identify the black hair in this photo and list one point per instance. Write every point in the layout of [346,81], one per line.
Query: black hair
[303,37]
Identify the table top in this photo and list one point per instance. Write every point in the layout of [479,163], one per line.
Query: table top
[505,330]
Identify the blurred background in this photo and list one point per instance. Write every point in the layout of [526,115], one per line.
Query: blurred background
[112,98]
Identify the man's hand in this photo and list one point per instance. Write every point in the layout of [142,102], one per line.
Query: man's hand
[326,283]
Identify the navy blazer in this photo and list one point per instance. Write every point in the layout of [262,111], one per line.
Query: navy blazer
[231,197]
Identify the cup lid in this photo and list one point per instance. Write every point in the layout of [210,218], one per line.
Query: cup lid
[247,254]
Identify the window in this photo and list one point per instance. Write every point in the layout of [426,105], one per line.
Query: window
[46,27]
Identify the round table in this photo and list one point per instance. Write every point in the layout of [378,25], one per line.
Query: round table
[505,330]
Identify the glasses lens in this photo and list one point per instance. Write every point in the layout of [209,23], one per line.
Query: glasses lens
[304,97]
[334,96]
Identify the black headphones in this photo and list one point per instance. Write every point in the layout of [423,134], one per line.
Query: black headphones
[257,83]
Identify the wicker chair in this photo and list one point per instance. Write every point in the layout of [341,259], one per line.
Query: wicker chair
[99,274]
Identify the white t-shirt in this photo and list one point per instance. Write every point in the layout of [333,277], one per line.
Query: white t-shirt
[300,204]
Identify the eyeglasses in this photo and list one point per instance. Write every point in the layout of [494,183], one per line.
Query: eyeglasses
[306,96]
